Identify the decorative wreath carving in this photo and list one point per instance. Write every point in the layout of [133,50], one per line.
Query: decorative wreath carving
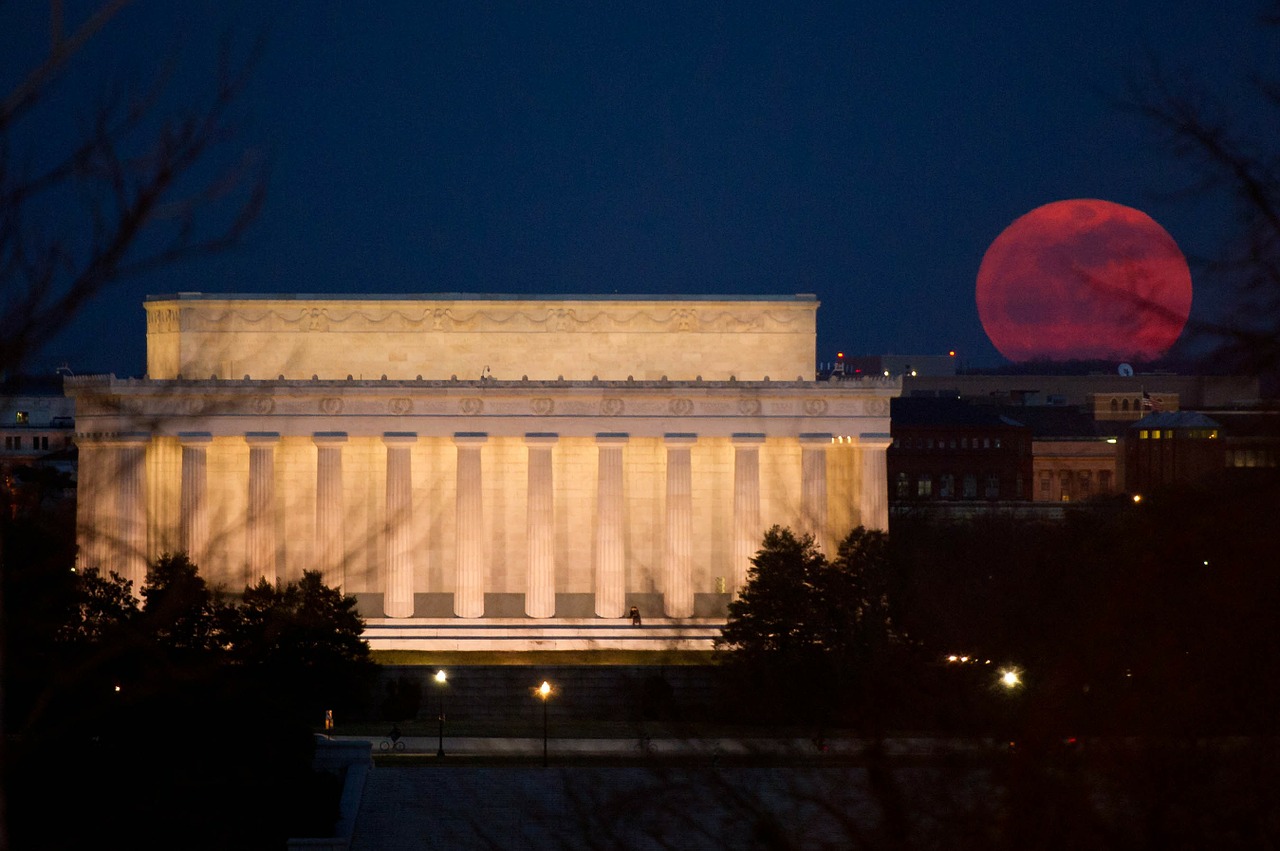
[542,406]
[472,406]
[331,406]
[681,407]
[400,406]
[815,407]
[749,407]
[262,405]
[612,407]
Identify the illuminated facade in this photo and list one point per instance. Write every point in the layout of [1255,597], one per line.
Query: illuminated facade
[481,471]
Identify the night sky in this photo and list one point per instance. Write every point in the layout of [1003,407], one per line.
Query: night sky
[867,155]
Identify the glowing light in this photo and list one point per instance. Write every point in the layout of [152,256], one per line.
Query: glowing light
[951,353]
[839,354]
[441,677]
[952,658]
[544,690]
[1111,440]
[1009,678]
[1137,497]
[1084,279]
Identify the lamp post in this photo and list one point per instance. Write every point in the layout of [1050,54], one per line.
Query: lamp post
[441,681]
[544,691]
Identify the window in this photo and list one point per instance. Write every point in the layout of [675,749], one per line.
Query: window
[12,442]
[924,486]
[1064,485]
[1115,405]
[993,487]
[22,418]
[947,486]
[1104,481]
[902,486]
[964,443]
[1124,406]
[928,443]
[1046,484]
[1143,434]
[996,443]
[1155,434]
[986,443]
[1085,480]
[1017,486]
[970,486]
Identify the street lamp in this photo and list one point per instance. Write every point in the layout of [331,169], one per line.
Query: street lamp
[544,692]
[441,680]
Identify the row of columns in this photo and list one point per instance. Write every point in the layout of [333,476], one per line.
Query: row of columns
[127,453]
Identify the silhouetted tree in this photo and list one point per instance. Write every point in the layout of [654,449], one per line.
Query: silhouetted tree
[1232,153]
[817,631]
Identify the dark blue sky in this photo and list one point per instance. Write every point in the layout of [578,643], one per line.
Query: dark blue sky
[866,155]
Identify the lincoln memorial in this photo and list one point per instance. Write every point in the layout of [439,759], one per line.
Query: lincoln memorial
[480,471]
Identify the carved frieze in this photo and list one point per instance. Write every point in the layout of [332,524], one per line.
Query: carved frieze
[400,406]
[542,406]
[331,406]
[471,406]
[463,316]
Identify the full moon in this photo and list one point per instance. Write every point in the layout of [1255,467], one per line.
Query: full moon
[1083,279]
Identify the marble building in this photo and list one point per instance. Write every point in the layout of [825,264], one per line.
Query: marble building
[480,471]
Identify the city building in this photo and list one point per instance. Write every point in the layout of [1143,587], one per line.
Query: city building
[481,471]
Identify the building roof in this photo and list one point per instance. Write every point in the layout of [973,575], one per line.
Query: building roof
[551,297]
[1176,419]
[915,411]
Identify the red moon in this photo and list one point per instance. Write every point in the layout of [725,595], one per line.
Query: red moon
[1084,280]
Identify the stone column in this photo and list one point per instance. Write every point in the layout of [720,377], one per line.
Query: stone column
[129,531]
[468,594]
[88,495]
[677,559]
[260,523]
[610,569]
[397,600]
[813,486]
[746,506]
[194,502]
[873,494]
[330,537]
[540,533]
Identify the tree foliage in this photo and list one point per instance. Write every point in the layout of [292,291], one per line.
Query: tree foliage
[818,629]
[136,688]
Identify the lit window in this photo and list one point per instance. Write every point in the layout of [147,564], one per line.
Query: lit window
[1155,434]
[996,443]
[902,485]
[1143,434]
[924,486]
[22,418]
